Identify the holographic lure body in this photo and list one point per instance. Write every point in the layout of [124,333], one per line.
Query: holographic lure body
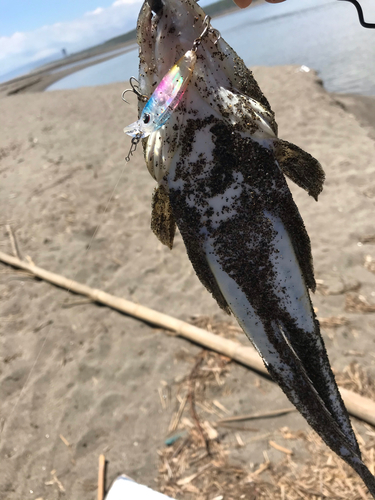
[165,98]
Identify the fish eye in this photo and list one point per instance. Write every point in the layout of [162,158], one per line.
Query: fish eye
[146,118]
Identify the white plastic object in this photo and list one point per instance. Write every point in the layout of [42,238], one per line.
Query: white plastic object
[126,489]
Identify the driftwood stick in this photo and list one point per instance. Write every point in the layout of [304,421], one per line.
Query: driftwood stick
[245,355]
[13,241]
[101,477]
[254,416]
[358,406]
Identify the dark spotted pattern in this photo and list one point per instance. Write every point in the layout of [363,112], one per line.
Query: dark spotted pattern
[300,167]
[162,219]
[224,169]
[244,244]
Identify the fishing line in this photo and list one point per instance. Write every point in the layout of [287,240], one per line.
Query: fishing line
[68,291]
[360,14]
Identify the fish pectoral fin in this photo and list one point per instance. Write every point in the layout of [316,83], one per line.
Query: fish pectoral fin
[163,223]
[300,167]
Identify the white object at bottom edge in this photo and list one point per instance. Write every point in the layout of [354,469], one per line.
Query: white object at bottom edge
[126,489]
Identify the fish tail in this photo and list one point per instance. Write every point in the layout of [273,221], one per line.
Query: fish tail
[287,370]
[365,475]
[311,351]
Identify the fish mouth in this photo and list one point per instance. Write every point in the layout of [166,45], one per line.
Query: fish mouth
[155,5]
[166,29]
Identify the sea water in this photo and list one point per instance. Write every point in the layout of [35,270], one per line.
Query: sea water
[324,35]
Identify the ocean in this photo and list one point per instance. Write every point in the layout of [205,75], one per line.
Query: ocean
[324,35]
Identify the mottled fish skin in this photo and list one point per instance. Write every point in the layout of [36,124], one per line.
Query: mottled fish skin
[220,170]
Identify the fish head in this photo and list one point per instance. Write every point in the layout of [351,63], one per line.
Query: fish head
[221,88]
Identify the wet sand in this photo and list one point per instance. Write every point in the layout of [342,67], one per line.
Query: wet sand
[87,373]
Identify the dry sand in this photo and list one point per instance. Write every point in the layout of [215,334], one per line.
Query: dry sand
[92,375]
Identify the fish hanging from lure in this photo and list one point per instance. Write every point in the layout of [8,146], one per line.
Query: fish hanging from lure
[168,94]
[220,168]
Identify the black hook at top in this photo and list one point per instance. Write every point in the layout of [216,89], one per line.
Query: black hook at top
[360,14]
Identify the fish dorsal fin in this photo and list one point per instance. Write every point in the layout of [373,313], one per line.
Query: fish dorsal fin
[162,221]
[300,167]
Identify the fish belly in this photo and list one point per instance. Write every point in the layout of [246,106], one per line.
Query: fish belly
[241,229]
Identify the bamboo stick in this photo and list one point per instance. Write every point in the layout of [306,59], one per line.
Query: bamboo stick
[358,406]
[254,416]
[245,355]
[101,477]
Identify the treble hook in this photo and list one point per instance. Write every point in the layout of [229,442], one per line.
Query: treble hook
[135,90]
[208,29]
[360,14]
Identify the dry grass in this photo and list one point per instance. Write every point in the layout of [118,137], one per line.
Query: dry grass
[356,379]
[222,328]
[324,475]
[367,238]
[333,322]
[198,465]
[356,303]
[370,263]
[339,289]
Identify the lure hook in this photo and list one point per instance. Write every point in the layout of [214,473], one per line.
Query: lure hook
[208,29]
[135,90]
[360,14]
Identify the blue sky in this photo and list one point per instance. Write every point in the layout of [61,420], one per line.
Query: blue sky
[28,15]
[31,30]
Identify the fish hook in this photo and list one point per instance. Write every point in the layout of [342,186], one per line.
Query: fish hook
[135,90]
[208,29]
[360,14]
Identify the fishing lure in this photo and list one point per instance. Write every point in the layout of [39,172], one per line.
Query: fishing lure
[167,95]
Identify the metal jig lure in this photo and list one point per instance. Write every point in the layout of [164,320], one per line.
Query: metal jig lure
[167,94]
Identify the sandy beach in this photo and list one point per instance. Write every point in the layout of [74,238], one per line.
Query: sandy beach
[78,379]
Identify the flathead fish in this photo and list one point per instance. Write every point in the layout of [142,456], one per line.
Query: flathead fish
[220,169]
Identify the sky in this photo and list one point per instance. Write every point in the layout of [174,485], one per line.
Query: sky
[35,29]
[31,30]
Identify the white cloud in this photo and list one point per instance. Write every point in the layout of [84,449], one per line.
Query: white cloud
[94,12]
[118,3]
[92,28]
